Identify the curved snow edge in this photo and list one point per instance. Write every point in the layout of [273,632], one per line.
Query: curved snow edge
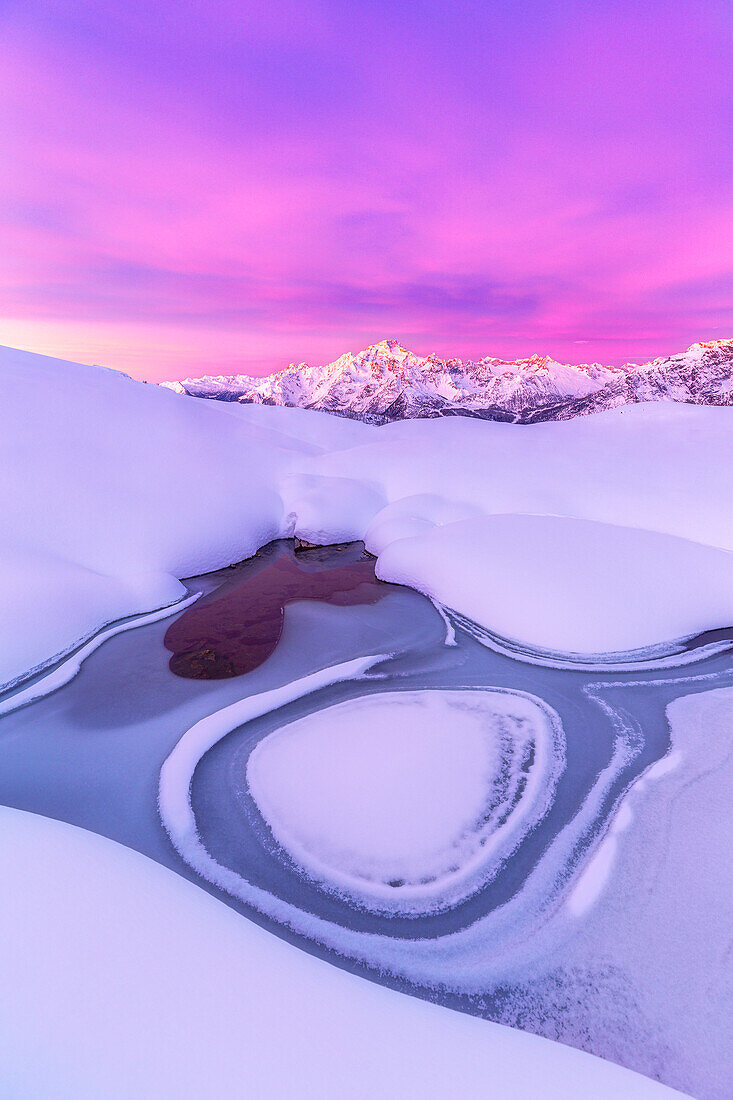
[68,668]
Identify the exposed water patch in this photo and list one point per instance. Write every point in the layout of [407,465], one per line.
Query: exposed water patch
[236,628]
[92,752]
[60,672]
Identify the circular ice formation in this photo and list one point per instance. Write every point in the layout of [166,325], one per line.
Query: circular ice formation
[408,799]
[495,945]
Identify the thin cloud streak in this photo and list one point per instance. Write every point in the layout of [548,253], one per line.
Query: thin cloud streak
[221,188]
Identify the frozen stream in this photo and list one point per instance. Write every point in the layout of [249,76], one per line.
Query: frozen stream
[91,753]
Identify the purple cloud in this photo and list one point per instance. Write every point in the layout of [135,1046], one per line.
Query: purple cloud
[230,186]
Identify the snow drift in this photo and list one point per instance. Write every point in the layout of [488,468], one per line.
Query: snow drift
[611,532]
[111,490]
[114,490]
[97,931]
[568,585]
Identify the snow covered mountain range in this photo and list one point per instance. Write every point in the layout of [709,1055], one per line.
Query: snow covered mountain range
[387,382]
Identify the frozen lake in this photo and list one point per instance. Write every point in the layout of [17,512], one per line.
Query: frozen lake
[91,754]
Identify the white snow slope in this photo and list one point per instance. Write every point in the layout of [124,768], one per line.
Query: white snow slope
[98,931]
[610,532]
[112,490]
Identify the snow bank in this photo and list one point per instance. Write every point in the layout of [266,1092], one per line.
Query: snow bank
[182,997]
[48,603]
[319,430]
[660,467]
[112,489]
[329,509]
[565,584]
[587,536]
[409,799]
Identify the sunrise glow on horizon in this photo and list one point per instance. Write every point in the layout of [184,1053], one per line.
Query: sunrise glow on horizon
[228,187]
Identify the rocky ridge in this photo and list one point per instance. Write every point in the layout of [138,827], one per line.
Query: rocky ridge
[386,382]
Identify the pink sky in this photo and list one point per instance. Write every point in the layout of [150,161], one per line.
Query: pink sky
[221,187]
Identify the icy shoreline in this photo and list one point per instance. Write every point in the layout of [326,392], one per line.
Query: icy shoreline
[603,536]
[584,536]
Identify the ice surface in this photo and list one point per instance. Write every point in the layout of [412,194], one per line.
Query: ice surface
[494,943]
[409,799]
[664,908]
[175,776]
[54,679]
[585,950]
[588,535]
[118,488]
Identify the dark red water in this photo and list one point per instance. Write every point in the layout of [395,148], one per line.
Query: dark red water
[238,626]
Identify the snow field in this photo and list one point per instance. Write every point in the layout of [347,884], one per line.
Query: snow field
[129,981]
[119,489]
[586,536]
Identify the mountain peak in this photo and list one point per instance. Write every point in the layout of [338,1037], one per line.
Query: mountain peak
[386,349]
[388,345]
[385,382]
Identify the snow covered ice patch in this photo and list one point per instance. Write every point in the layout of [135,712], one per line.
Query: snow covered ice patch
[412,799]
